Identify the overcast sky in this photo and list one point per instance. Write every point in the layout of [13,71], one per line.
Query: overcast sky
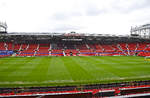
[83,16]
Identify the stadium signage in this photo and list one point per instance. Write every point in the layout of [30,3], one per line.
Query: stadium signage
[72,39]
[6,52]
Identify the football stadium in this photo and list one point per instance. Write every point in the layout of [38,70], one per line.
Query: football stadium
[74,65]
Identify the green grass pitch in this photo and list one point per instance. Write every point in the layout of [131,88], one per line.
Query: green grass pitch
[56,71]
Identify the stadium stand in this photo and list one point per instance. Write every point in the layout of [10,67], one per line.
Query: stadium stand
[2,46]
[30,50]
[132,48]
[141,49]
[75,45]
[42,50]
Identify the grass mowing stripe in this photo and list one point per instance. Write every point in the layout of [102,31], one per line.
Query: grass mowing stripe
[39,71]
[9,62]
[13,68]
[112,67]
[23,70]
[44,71]
[102,71]
[75,70]
[57,71]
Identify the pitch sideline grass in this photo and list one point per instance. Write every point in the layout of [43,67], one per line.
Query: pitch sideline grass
[54,71]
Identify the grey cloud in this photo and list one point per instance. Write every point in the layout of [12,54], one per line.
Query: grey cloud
[86,8]
[91,9]
[62,16]
[144,4]
[64,27]
[136,5]
[142,20]
[120,6]
[3,4]
[94,11]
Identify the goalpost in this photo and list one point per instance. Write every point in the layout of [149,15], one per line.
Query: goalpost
[147,58]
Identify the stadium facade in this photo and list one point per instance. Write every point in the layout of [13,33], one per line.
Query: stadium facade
[142,31]
[76,44]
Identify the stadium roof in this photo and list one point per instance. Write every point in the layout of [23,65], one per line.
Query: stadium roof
[62,34]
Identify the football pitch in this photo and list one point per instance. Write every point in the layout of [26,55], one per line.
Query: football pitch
[58,71]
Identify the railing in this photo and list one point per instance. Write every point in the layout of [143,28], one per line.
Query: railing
[59,89]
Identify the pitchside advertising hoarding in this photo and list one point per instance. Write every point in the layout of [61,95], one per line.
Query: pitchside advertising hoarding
[6,52]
